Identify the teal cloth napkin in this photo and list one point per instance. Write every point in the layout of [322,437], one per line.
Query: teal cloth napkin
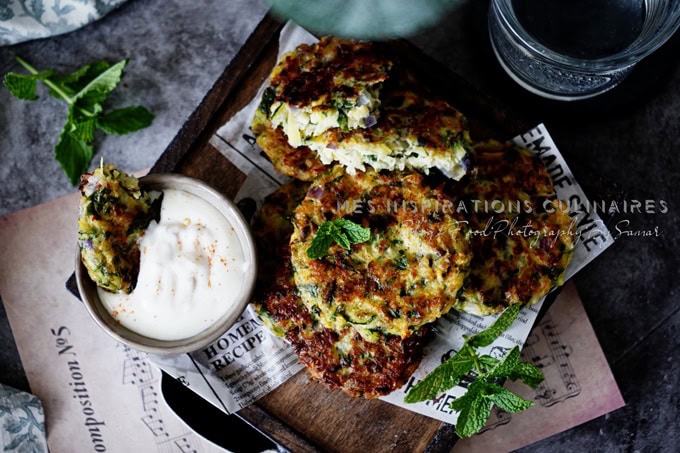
[22,422]
[23,20]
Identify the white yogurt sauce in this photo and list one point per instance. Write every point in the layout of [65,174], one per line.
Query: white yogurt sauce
[192,267]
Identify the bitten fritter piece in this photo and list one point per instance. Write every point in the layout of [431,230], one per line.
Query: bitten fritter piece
[346,103]
[408,273]
[413,132]
[522,238]
[332,83]
[300,163]
[341,359]
[114,214]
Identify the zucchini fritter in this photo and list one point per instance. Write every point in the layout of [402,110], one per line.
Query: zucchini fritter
[332,83]
[272,227]
[521,253]
[413,132]
[409,272]
[339,359]
[360,129]
[114,213]
[345,102]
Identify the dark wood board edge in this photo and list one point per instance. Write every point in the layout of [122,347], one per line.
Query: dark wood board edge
[197,130]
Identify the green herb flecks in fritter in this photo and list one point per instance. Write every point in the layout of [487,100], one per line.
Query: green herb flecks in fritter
[332,83]
[413,133]
[406,275]
[300,163]
[114,213]
[339,359]
[405,129]
[524,235]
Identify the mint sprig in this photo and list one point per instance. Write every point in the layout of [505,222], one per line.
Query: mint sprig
[341,231]
[475,405]
[84,91]
[503,323]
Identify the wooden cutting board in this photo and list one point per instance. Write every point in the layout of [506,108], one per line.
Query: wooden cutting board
[302,415]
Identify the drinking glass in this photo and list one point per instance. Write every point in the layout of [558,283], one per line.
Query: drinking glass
[576,49]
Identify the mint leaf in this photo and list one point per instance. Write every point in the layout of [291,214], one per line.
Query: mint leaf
[341,231]
[488,362]
[473,416]
[73,154]
[83,130]
[466,398]
[505,366]
[77,80]
[98,89]
[529,374]
[504,321]
[356,233]
[507,400]
[321,242]
[340,237]
[474,406]
[21,86]
[445,376]
[125,120]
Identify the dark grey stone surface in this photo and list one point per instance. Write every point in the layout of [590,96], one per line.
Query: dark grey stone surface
[629,137]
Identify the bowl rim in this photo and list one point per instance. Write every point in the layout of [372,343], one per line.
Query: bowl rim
[88,289]
[645,44]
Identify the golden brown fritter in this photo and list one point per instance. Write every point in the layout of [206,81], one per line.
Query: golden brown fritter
[272,227]
[114,214]
[339,359]
[413,132]
[409,272]
[332,70]
[522,236]
[332,83]
[404,127]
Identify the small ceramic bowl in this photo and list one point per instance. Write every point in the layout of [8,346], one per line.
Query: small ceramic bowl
[88,289]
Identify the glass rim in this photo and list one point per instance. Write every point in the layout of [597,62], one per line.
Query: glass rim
[626,57]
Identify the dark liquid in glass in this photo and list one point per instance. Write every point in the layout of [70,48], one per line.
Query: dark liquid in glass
[582,28]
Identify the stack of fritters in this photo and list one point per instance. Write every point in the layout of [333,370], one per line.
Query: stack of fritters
[340,358]
[358,317]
